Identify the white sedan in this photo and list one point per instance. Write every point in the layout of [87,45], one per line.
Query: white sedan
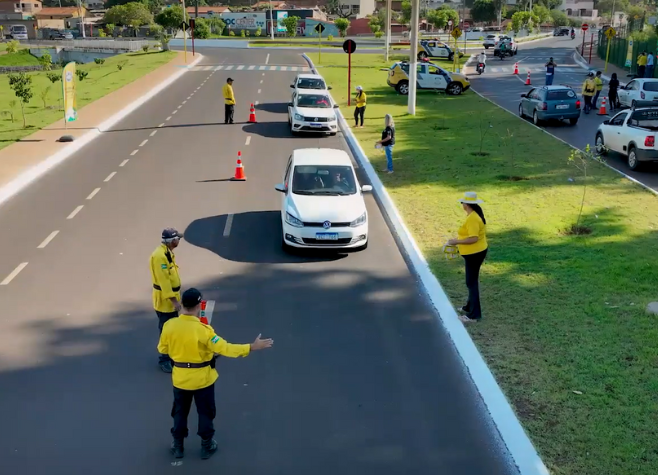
[322,202]
[309,81]
[312,111]
[640,89]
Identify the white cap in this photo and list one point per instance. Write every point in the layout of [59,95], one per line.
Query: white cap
[359,88]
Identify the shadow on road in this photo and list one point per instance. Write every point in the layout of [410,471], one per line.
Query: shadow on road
[268,129]
[274,107]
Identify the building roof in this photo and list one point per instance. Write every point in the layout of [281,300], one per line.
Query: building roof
[207,9]
[57,11]
[275,5]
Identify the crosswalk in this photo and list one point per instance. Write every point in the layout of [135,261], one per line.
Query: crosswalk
[522,69]
[249,67]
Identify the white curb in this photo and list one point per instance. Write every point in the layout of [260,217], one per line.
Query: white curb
[518,443]
[38,170]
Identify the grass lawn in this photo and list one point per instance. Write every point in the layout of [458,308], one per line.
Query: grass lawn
[20,58]
[564,328]
[45,106]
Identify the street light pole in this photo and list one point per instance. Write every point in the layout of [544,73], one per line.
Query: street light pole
[388,27]
[271,22]
[413,60]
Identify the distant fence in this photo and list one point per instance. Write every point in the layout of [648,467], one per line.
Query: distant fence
[619,51]
[19,69]
[95,44]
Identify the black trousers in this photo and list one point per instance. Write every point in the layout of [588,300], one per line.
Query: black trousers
[588,104]
[473,263]
[613,98]
[640,71]
[358,112]
[162,319]
[204,399]
[228,113]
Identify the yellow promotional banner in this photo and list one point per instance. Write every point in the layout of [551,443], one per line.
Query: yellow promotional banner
[68,84]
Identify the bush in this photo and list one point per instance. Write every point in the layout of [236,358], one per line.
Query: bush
[231,33]
[378,34]
[242,33]
[101,33]
[46,62]
[54,77]
[330,37]
[201,29]
[145,48]
[99,61]
[258,32]
[12,46]
[81,74]
[121,65]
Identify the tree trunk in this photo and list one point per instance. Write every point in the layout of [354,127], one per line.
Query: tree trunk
[23,112]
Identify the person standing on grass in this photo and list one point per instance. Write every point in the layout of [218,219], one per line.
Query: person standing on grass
[472,244]
[599,87]
[641,64]
[550,71]
[649,72]
[612,92]
[360,106]
[387,141]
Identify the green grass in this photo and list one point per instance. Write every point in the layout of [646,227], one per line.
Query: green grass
[101,81]
[564,327]
[20,58]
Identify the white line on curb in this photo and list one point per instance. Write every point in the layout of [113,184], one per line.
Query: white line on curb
[93,193]
[511,432]
[14,273]
[46,241]
[74,212]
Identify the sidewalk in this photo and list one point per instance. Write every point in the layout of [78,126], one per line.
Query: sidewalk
[598,64]
[32,151]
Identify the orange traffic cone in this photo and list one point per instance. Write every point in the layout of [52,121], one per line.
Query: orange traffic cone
[516,68]
[527,81]
[252,115]
[602,109]
[239,170]
[203,312]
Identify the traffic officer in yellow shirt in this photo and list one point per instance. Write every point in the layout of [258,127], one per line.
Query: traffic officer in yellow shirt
[193,347]
[229,101]
[166,284]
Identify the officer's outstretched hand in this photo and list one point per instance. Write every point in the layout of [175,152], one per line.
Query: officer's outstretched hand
[260,344]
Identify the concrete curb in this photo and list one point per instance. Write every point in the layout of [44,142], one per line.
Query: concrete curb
[32,174]
[518,443]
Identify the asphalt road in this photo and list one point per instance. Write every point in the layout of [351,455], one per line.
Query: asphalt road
[500,85]
[362,379]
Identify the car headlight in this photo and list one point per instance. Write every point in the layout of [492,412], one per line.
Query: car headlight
[332,118]
[299,117]
[359,221]
[292,221]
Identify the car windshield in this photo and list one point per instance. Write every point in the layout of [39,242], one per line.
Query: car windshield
[310,83]
[320,101]
[560,95]
[645,118]
[491,36]
[329,180]
[651,86]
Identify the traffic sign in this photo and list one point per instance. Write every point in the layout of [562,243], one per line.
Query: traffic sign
[184,26]
[449,22]
[456,33]
[349,46]
[192,23]
[585,27]
[610,33]
[319,28]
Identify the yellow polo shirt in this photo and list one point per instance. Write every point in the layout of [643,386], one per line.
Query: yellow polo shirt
[473,226]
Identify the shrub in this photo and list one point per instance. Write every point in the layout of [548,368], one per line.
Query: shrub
[12,46]
[101,33]
[330,37]
[46,62]
[21,84]
[231,33]
[145,48]
[258,32]
[242,33]
[378,34]
[201,29]
[121,65]
[54,77]
[81,74]
[99,61]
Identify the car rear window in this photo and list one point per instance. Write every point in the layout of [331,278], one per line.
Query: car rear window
[310,83]
[491,36]
[560,95]
[647,118]
[651,86]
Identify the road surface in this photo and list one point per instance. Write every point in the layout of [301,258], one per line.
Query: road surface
[362,379]
[500,85]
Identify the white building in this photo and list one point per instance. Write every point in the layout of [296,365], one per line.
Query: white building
[359,8]
[580,9]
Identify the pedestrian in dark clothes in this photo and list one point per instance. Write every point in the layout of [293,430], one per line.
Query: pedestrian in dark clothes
[613,86]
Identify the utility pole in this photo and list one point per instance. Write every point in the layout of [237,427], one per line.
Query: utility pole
[413,60]
[196,9]
[271,22]
[388,27]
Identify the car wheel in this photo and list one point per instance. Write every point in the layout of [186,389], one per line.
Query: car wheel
[451,56]
[535,119]
[486,46]
[521,111]
[454,88]
[600,144]
[633,162]
[633,104]
[573,121]
[422,55]
[403,88]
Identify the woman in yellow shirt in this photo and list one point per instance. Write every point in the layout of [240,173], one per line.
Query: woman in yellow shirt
[472,243]
[360,106]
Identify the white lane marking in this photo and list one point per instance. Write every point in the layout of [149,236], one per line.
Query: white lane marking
[210,308]
[153,133]
[189,97]
[14,273]
[267,60]
[93,193]
[256,103]
[143,142]
[124,162]
[227,227]
[218,68]
[284,68]
[184,102]
[261,81]
[74,212]
[259,91]
[252,67]
[168,118]
[228,68]
[248,140]
[173,113]
[50,237]
[240,68]
[179,106]
[134,152]
[161,125]
[109,177]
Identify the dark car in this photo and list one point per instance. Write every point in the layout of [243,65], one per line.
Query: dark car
[60,35]
[550,102]
[562,31]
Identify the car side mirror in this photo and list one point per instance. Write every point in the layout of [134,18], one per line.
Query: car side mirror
[336,106]
[366,188]
[289,104]
[606,122]
[524,95]
[280,187]
[293,86]
[328,87]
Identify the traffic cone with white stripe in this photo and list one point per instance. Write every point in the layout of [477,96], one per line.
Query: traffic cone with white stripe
[602,109]
[239,170]
[252,115]
[203,317]
[527,81]
[516,68]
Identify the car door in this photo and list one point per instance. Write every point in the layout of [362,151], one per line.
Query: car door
[286,184]
[294,87]
[437,77]
[626,95]
[422,77]
[612,132]
[526,102]
[291,106]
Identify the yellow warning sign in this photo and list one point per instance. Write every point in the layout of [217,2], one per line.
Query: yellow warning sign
[456,33]
[610,33]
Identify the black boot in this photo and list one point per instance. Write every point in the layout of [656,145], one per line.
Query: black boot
[208,447]
[177,448]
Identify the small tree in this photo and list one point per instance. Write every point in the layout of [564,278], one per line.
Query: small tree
[109,28]
[54,77]
[170,18]
[581,159]
[201,29]
[342,24]
[46,62]
[81,74]
[44,95]
[120,65]
[145,48]
[99,61]
[258,32]
[12,108]
[242,33]
[21,84]
[291,25]
[217,26]
[12,47]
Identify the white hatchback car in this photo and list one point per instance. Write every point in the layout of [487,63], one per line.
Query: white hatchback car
[309,81]
[322,202]
[312,111]
[640,89]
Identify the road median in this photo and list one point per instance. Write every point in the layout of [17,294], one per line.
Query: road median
[565,330]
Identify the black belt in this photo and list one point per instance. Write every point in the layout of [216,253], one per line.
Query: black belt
[173,289]
[210,363]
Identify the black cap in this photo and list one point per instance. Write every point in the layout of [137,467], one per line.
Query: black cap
[170,234]
[191,298]
[229,80]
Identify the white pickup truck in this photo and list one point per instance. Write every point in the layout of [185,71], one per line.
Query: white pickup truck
[632,133]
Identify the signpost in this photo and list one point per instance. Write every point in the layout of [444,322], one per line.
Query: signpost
[349,47]
[192,25]
[184,26]
[456,33]
[319,28]
[585,27]
[610,34]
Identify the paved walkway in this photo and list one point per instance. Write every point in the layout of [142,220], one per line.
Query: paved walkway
[35,148]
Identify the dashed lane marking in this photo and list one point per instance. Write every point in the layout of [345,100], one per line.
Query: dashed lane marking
[93,193]
[143,142]
[153,133]
[267,59]
[74,212]
[110,176]
[252,67]
[133,153]
[14,273]
[256,103]
[174,113]
[161,125]
[124,162]
[248,141]
[168,119]
[46,241]
[227,227]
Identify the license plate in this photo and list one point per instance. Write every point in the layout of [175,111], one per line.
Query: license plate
[562,106]
[315,124]
[326,236]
